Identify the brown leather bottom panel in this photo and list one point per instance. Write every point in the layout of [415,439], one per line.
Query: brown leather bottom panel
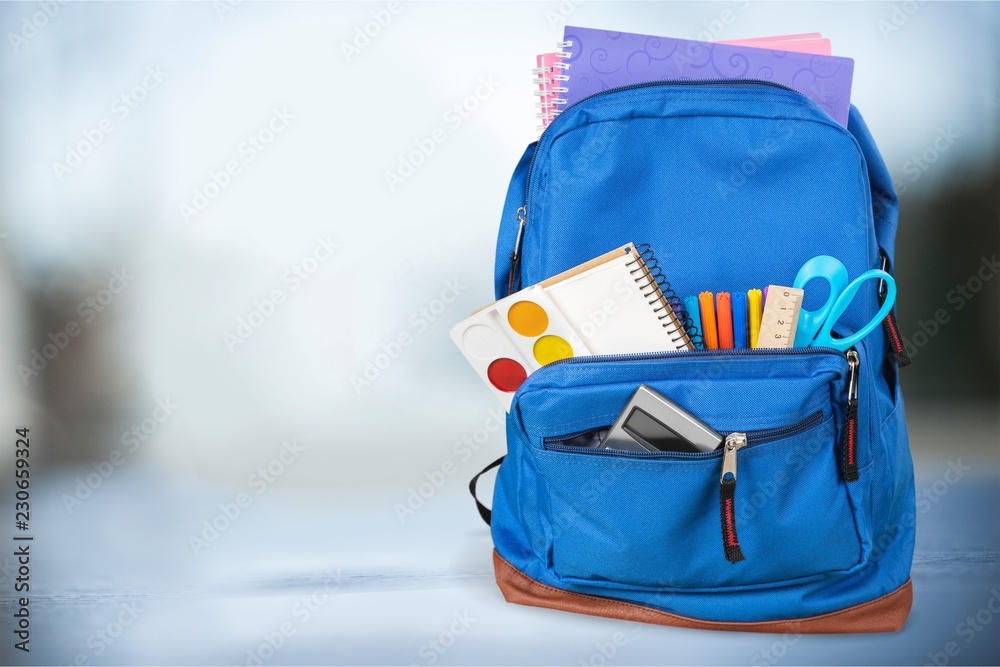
[885,614]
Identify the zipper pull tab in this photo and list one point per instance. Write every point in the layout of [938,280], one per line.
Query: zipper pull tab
[727,495]
[889,325]
[734,443]
[849,440]
[515,255]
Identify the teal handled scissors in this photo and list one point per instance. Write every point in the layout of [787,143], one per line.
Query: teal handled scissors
[816,326]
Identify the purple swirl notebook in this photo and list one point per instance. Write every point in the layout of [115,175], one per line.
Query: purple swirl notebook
[599,60]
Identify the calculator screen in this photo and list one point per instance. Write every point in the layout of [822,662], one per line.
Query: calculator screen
[655,434]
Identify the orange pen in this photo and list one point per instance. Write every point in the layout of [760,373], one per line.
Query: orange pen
[709,333]
[724,316]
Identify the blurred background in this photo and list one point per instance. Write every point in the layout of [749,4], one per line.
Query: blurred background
[210,287]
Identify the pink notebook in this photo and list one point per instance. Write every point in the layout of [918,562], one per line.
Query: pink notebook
[548,76]
[812,43]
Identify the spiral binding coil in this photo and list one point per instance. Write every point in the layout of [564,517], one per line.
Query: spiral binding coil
[551,80]
[657,290]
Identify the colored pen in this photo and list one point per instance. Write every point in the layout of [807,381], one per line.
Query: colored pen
[724,319]
[740,334]
[755,310]
[694,312]
[709,332]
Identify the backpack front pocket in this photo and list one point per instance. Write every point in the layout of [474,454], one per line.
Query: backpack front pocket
[672,520]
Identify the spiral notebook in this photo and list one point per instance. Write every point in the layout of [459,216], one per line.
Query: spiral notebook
[591,61]
[618,303]
[549,75]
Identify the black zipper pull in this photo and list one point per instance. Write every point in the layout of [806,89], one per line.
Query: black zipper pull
[513,279]
[889,325]
[727,495]
[849,440]
[899,352]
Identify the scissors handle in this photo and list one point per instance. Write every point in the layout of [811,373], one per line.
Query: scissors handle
[825,339]
[833,271]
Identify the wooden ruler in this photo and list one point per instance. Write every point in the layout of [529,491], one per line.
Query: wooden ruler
[781,317]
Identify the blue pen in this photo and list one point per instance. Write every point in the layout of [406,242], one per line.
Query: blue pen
[694,313]
[741,335]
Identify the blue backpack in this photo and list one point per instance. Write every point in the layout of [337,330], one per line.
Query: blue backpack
[735,184]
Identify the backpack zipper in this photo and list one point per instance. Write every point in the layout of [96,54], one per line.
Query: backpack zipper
[513,280]
[896,345]
[678,354]
[849,440]
[659,83]
[727,496]
[757,437]
[515,255]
